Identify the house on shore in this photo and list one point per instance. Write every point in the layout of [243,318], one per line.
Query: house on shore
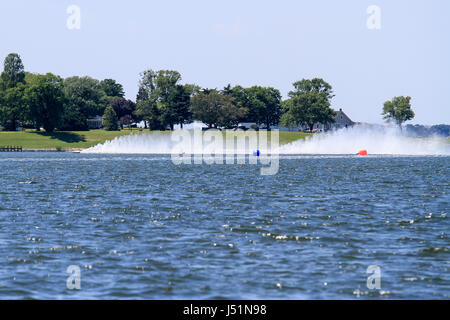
[95,122]
[342,120]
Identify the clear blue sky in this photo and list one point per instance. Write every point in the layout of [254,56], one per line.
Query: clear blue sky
[255,42]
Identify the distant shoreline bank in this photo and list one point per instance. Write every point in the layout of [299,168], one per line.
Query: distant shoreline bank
[77,141]
[74,150]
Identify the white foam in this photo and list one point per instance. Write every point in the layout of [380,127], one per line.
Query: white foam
[140,143]
[375,141]
[344,141]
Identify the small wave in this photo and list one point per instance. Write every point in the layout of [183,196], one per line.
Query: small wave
[432,251]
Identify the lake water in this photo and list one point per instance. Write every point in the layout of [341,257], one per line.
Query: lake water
[140,227]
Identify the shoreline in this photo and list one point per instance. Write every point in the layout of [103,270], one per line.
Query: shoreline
[74,150]
[76,141]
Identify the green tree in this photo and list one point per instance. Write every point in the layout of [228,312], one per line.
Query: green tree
[45,98]
[84,98]
[147,85]
[110,119]
[124,110]
[12,87]
[112,88]
[227,90]
[166,82]
[172,98]
[287,119]
[146,108]
[31,79]
[240,95]
[309,104]
[13,107]
[13,71]
[154,118]
[314,85]
[176,108]
[205,107]
[229,113]
[264,105]
[216,109]
[192,89]
[142,112]
[398,110]
[149,113]
[162,101]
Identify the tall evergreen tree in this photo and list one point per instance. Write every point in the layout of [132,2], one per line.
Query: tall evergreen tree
[110,120]
[13,71]
[12,87]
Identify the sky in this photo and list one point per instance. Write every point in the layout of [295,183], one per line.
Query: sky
[248,42]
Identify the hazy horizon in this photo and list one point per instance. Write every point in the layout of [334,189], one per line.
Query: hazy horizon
[247,43]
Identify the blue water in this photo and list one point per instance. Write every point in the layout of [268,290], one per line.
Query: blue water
[140,227]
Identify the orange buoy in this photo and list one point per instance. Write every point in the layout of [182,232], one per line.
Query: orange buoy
[362,153]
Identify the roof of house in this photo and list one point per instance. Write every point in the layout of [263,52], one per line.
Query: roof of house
[94,118]
[341,116]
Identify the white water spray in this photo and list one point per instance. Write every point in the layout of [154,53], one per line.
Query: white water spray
[190,142]
[379,141]
[145,143]
[345,141]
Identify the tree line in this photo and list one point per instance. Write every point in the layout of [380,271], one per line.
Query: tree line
[440,130]
[50,102]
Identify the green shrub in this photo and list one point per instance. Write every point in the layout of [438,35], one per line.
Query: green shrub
[110,119]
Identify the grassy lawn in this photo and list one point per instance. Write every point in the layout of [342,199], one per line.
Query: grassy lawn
[65,140]
[85,139]
[290,136]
